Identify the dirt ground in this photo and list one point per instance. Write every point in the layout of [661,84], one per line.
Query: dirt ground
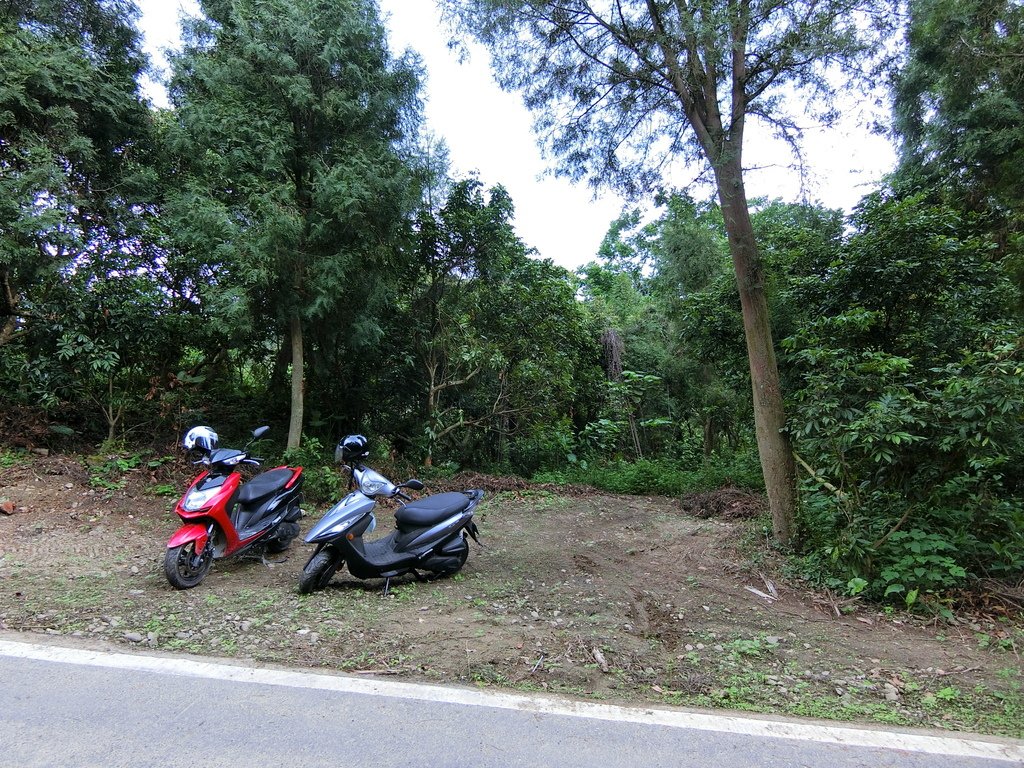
[612,598]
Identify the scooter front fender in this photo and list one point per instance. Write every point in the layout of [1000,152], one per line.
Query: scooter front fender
[340,518]
[190,532]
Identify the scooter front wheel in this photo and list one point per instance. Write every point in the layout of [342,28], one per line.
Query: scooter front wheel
[318,571]
[184,568]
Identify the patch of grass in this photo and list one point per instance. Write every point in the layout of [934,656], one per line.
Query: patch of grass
[533,500]
[106,472]
[82,593]
[487,675]
[663,477]
[830,709]
[1005,639]
[13,457]
[746,647]
[187,645]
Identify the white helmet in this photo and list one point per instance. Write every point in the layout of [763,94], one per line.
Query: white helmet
[203,438]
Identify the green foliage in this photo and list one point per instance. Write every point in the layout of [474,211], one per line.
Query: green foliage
[959,99]
[664,294]
[12,457]
[74,185]
[108,471]
[924,560]
[622,428]
[910,408]
[322,482]
[663,477]
[543,447]
[498,346]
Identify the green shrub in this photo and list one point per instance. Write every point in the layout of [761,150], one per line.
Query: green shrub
[917,479]
[323,483]
[663,477]
[907,407]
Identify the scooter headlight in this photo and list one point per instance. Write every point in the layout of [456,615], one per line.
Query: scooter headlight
[196,500]
[341,525]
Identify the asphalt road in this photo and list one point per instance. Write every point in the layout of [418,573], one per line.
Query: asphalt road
[78,708]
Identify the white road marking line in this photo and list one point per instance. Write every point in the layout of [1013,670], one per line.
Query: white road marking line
[1006,750]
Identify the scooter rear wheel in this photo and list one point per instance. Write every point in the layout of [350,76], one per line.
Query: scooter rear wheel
[184,568]
[318,572]
[282,538]
[462,557]
[444,564]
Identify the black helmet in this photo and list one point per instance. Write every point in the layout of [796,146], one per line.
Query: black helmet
[350,448]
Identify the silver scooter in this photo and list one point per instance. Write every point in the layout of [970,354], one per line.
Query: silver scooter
[430,537]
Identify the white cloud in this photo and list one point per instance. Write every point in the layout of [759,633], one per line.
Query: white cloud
[488,131]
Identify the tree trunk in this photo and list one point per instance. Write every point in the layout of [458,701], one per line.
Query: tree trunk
[432,395]
[7,330]
[295,424]
[8,308]
[279,376]
[773,446]
[709,437]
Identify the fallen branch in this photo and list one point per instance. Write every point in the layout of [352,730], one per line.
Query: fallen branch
[943,673]
[841,495]
[759,593]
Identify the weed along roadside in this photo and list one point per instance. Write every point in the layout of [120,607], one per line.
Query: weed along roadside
[620,599]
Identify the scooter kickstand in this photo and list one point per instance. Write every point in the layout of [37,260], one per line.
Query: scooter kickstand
[387,586]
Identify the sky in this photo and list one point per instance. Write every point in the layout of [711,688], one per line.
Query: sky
[488,133]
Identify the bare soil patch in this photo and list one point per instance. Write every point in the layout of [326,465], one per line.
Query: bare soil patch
[615,598]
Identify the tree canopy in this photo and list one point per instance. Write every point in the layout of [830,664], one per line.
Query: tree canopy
[291,118]
[960,95]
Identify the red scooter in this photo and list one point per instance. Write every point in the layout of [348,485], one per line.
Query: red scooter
[223,516]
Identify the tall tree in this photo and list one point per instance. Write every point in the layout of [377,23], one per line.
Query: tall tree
[452,243]
[493,329]
[292,118]
[71,126]
[75,193]
[620,89]
[959,99]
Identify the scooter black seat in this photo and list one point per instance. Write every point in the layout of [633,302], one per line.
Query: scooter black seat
[264,485]
[430,510]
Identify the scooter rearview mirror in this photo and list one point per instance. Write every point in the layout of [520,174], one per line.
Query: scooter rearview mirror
[413,484]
